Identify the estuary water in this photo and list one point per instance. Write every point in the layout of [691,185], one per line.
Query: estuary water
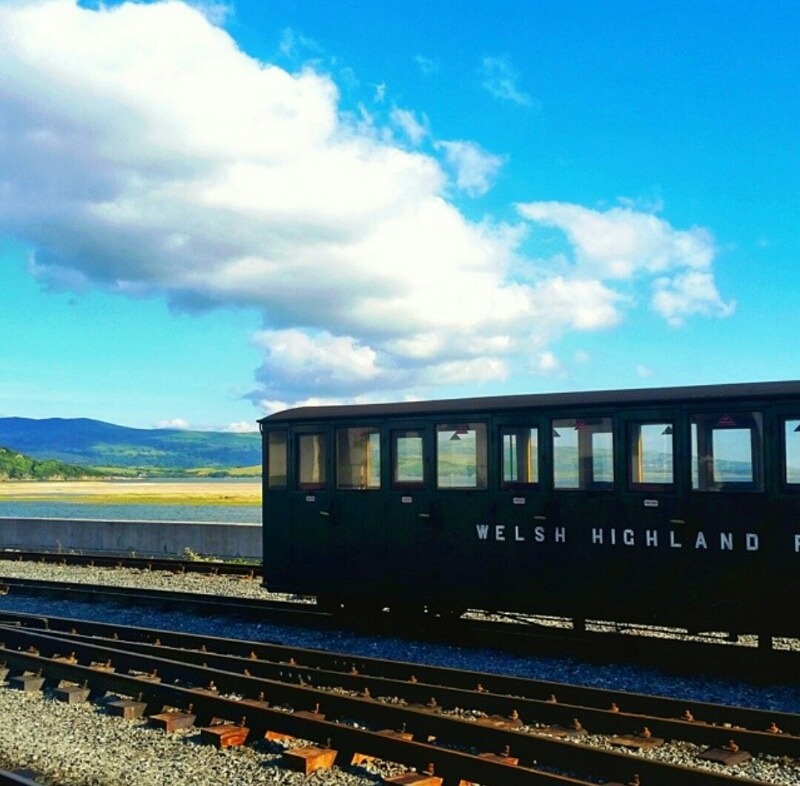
[239,514]
[61,506]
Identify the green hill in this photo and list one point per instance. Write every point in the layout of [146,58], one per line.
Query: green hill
[16,466]
[93,443]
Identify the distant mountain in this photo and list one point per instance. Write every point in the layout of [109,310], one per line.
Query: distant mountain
[94,443]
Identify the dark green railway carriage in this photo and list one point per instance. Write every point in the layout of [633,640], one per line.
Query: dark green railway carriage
[678,506]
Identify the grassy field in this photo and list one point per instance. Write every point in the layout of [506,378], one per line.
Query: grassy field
[146,492]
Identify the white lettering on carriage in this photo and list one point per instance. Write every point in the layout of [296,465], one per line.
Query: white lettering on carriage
[613,537]
[700,543]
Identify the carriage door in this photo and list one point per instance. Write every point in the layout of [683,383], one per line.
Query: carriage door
[410,535]
[462,506]
[783,587]
[312,515]
[583,513]
[276,526]
[651,504]
[521,553]
[727,523]
[358,507]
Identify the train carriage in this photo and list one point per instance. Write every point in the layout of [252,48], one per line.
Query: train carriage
[675,506]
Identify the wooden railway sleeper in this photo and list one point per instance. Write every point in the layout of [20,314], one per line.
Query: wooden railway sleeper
[530,748]
[600,720]
[453,765]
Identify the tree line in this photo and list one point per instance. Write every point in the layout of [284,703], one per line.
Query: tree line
[16,466]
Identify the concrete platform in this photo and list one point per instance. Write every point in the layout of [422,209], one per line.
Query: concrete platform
[142,538]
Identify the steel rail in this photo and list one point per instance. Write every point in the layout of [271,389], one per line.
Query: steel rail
[489,693]
[720,659]
[244,607]
[9,778]
[730,721]
[712,725]
[451,765]
[421,722]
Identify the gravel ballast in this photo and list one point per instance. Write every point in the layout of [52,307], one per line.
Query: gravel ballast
[82,746]
[79,745]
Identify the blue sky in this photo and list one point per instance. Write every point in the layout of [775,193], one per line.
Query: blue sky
[211,211]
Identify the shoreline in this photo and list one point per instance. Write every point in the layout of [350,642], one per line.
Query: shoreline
[132,492]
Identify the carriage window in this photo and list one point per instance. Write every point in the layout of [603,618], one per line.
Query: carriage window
[276,460]
[311,461]
[726,451]
[520,457]
[461,456]
[358,458]
[408,464]
[791,457]
[650,449]
[583,453]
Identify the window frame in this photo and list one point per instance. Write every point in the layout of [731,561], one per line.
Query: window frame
[407,485]
[701,467]
[373,473]
[322,463]
[481,463]
[585,451]
[786,485]
[534,457]
[268,459]
[629,455]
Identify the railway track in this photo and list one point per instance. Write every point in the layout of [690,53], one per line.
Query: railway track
[523,636]
[210,567]
[462,727]
[249,570]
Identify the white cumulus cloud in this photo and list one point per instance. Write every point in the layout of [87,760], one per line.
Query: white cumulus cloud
[174,423]
[241,427]
[320,362]
[622,243]
[415,129]
[142,152]
[690,293]
[475,169]
[501,79]
[547,363]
